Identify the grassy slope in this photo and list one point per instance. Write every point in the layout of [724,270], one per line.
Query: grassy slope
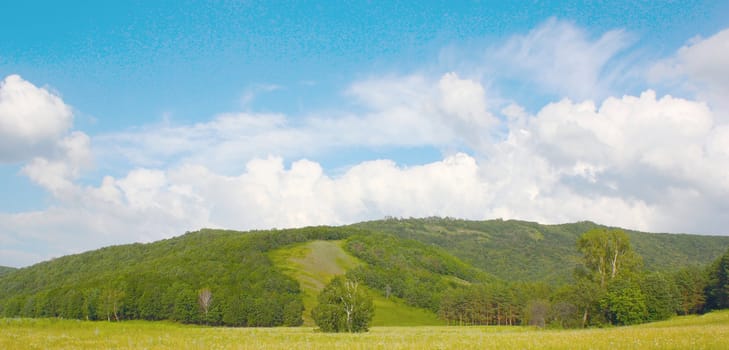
[527,251]
[315,263]
[709,331]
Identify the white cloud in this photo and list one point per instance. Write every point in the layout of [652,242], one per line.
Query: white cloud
[32,119]
[57,171]
[561,59]
[396,111]
[700,66]
[649,162]
[638,160]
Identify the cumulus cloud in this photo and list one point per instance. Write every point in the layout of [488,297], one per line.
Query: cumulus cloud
[650,162]
[642,162]
[56,172]
[395,111]
[32,119]
[700,66]
[653,155]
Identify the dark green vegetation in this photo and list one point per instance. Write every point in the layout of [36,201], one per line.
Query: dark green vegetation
[163,280]
[527,251]
[4,270]
[343,306]
[490,272]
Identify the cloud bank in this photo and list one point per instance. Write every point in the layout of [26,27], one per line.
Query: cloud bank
[650,162]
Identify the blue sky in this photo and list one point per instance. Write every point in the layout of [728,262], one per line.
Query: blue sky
[134,121]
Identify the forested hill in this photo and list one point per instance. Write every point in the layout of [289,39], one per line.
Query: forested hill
[162,280]
[5,269]
[528,251]
[424,262]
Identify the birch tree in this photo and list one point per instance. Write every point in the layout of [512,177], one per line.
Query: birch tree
[607,254]
[204,298]
[343,307]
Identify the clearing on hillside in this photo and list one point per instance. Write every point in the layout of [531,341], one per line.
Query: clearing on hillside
[313,264]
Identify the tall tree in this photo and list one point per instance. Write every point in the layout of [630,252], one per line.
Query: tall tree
[662,296]
[606,257]
[112,300]
[343,307]
[204,298]
[691,282]
[607,254]
[717,291]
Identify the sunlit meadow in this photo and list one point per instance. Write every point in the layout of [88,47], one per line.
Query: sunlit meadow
[709,331]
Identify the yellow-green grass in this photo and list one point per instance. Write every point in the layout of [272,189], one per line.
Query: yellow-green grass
[315,263]
[710,331]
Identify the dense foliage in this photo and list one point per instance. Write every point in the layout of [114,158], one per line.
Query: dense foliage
[526,251]
[427,276]
[5,270]
[163,280]
[447,266]
[717,289]
[407,269]
[344,306]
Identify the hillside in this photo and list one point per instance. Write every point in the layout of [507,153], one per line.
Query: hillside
[314,264]
[261,278]
[415,269]
[527,251]
[161,280]
[4,270]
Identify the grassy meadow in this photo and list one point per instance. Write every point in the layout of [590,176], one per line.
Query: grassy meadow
[709,331]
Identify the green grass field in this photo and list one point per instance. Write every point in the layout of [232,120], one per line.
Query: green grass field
[709,331]
[315,263]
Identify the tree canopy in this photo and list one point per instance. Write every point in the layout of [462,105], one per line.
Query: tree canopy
[344,306]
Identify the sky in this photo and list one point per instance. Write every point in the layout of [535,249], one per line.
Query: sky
[134,121]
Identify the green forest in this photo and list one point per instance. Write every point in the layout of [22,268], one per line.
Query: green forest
[5,269]
[466,272]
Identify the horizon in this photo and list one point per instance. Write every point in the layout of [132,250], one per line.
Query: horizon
[135,122]
[273,229]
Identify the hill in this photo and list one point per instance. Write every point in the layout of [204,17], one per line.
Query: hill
[261,278]
[415,269]
[161,280]
[5,270]
[527,251]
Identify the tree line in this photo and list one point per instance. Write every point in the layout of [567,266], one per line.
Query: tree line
[609,286]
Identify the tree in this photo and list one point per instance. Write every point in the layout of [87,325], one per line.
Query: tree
[343,307]
[691,282]
[111,302]
[606,257]
[607,254]
[292,313]
[717,291]
[661,296]
[204,298]
[537,312]
[625,304]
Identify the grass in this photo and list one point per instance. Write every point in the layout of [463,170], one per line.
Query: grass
[709,331]
[315,263]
